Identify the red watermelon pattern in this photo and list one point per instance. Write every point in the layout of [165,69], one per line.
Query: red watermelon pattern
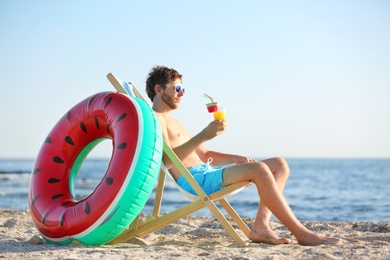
[55,212]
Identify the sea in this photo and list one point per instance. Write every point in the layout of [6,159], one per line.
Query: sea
[325,190]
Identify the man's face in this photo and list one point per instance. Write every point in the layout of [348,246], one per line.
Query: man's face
[170,96]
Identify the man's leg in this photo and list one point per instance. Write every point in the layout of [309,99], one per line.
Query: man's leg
[261,225]
[260,174]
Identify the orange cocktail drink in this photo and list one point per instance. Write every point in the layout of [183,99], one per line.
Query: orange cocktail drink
[220,113]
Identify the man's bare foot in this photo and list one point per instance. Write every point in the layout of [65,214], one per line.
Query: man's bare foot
[267,238]
[315,240]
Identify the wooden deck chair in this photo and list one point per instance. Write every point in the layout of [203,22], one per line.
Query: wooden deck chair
[154,222]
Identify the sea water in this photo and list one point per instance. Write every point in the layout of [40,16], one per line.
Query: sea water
[332,190]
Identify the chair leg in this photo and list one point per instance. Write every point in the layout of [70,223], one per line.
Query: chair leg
[158,223]
[159,194]
[225,223]
[229,209]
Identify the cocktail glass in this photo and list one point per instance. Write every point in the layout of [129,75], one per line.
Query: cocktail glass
[220,113]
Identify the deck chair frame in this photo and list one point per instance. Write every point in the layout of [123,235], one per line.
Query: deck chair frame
[154,222]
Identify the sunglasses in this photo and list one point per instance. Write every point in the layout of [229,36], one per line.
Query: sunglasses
[178,88]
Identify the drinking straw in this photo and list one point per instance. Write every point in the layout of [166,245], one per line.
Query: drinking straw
[207,96]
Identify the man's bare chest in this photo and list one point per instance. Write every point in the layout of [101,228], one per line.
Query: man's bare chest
[176,133]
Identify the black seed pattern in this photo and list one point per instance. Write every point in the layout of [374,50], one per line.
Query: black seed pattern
[87,209]
[107,102]
[57,159]
[108,128]
[48,140]
[97,123]
[34,199]
[69,140]
[66,203]
[36,170]
[44,218]
[121,146]
[68,115]
[54,180]
[62,220]
[82,125]
[90,101]
[121,117]
[109,180]
[56,196]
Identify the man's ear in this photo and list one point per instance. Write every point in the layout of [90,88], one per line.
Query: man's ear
[158,89]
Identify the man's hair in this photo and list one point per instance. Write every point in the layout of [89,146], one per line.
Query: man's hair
[160,75]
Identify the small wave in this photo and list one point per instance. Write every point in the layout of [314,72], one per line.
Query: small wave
[14,172]
[16,176]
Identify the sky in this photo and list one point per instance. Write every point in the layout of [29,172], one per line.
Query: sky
[299,79]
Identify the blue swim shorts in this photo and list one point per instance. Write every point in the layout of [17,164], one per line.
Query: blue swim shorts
[208,177]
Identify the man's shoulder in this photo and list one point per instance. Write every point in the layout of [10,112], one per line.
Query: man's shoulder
[160,118]
[167,120]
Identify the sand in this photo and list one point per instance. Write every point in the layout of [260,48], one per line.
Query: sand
[197,238]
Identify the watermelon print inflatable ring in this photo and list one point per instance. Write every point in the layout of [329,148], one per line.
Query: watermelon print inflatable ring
[126,186]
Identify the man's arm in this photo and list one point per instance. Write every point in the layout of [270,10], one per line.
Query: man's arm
[183,147]
[189,144]
[222,158]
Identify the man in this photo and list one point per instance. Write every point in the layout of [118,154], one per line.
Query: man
[164,88]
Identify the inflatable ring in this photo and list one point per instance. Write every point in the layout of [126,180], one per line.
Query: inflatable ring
[126,186]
